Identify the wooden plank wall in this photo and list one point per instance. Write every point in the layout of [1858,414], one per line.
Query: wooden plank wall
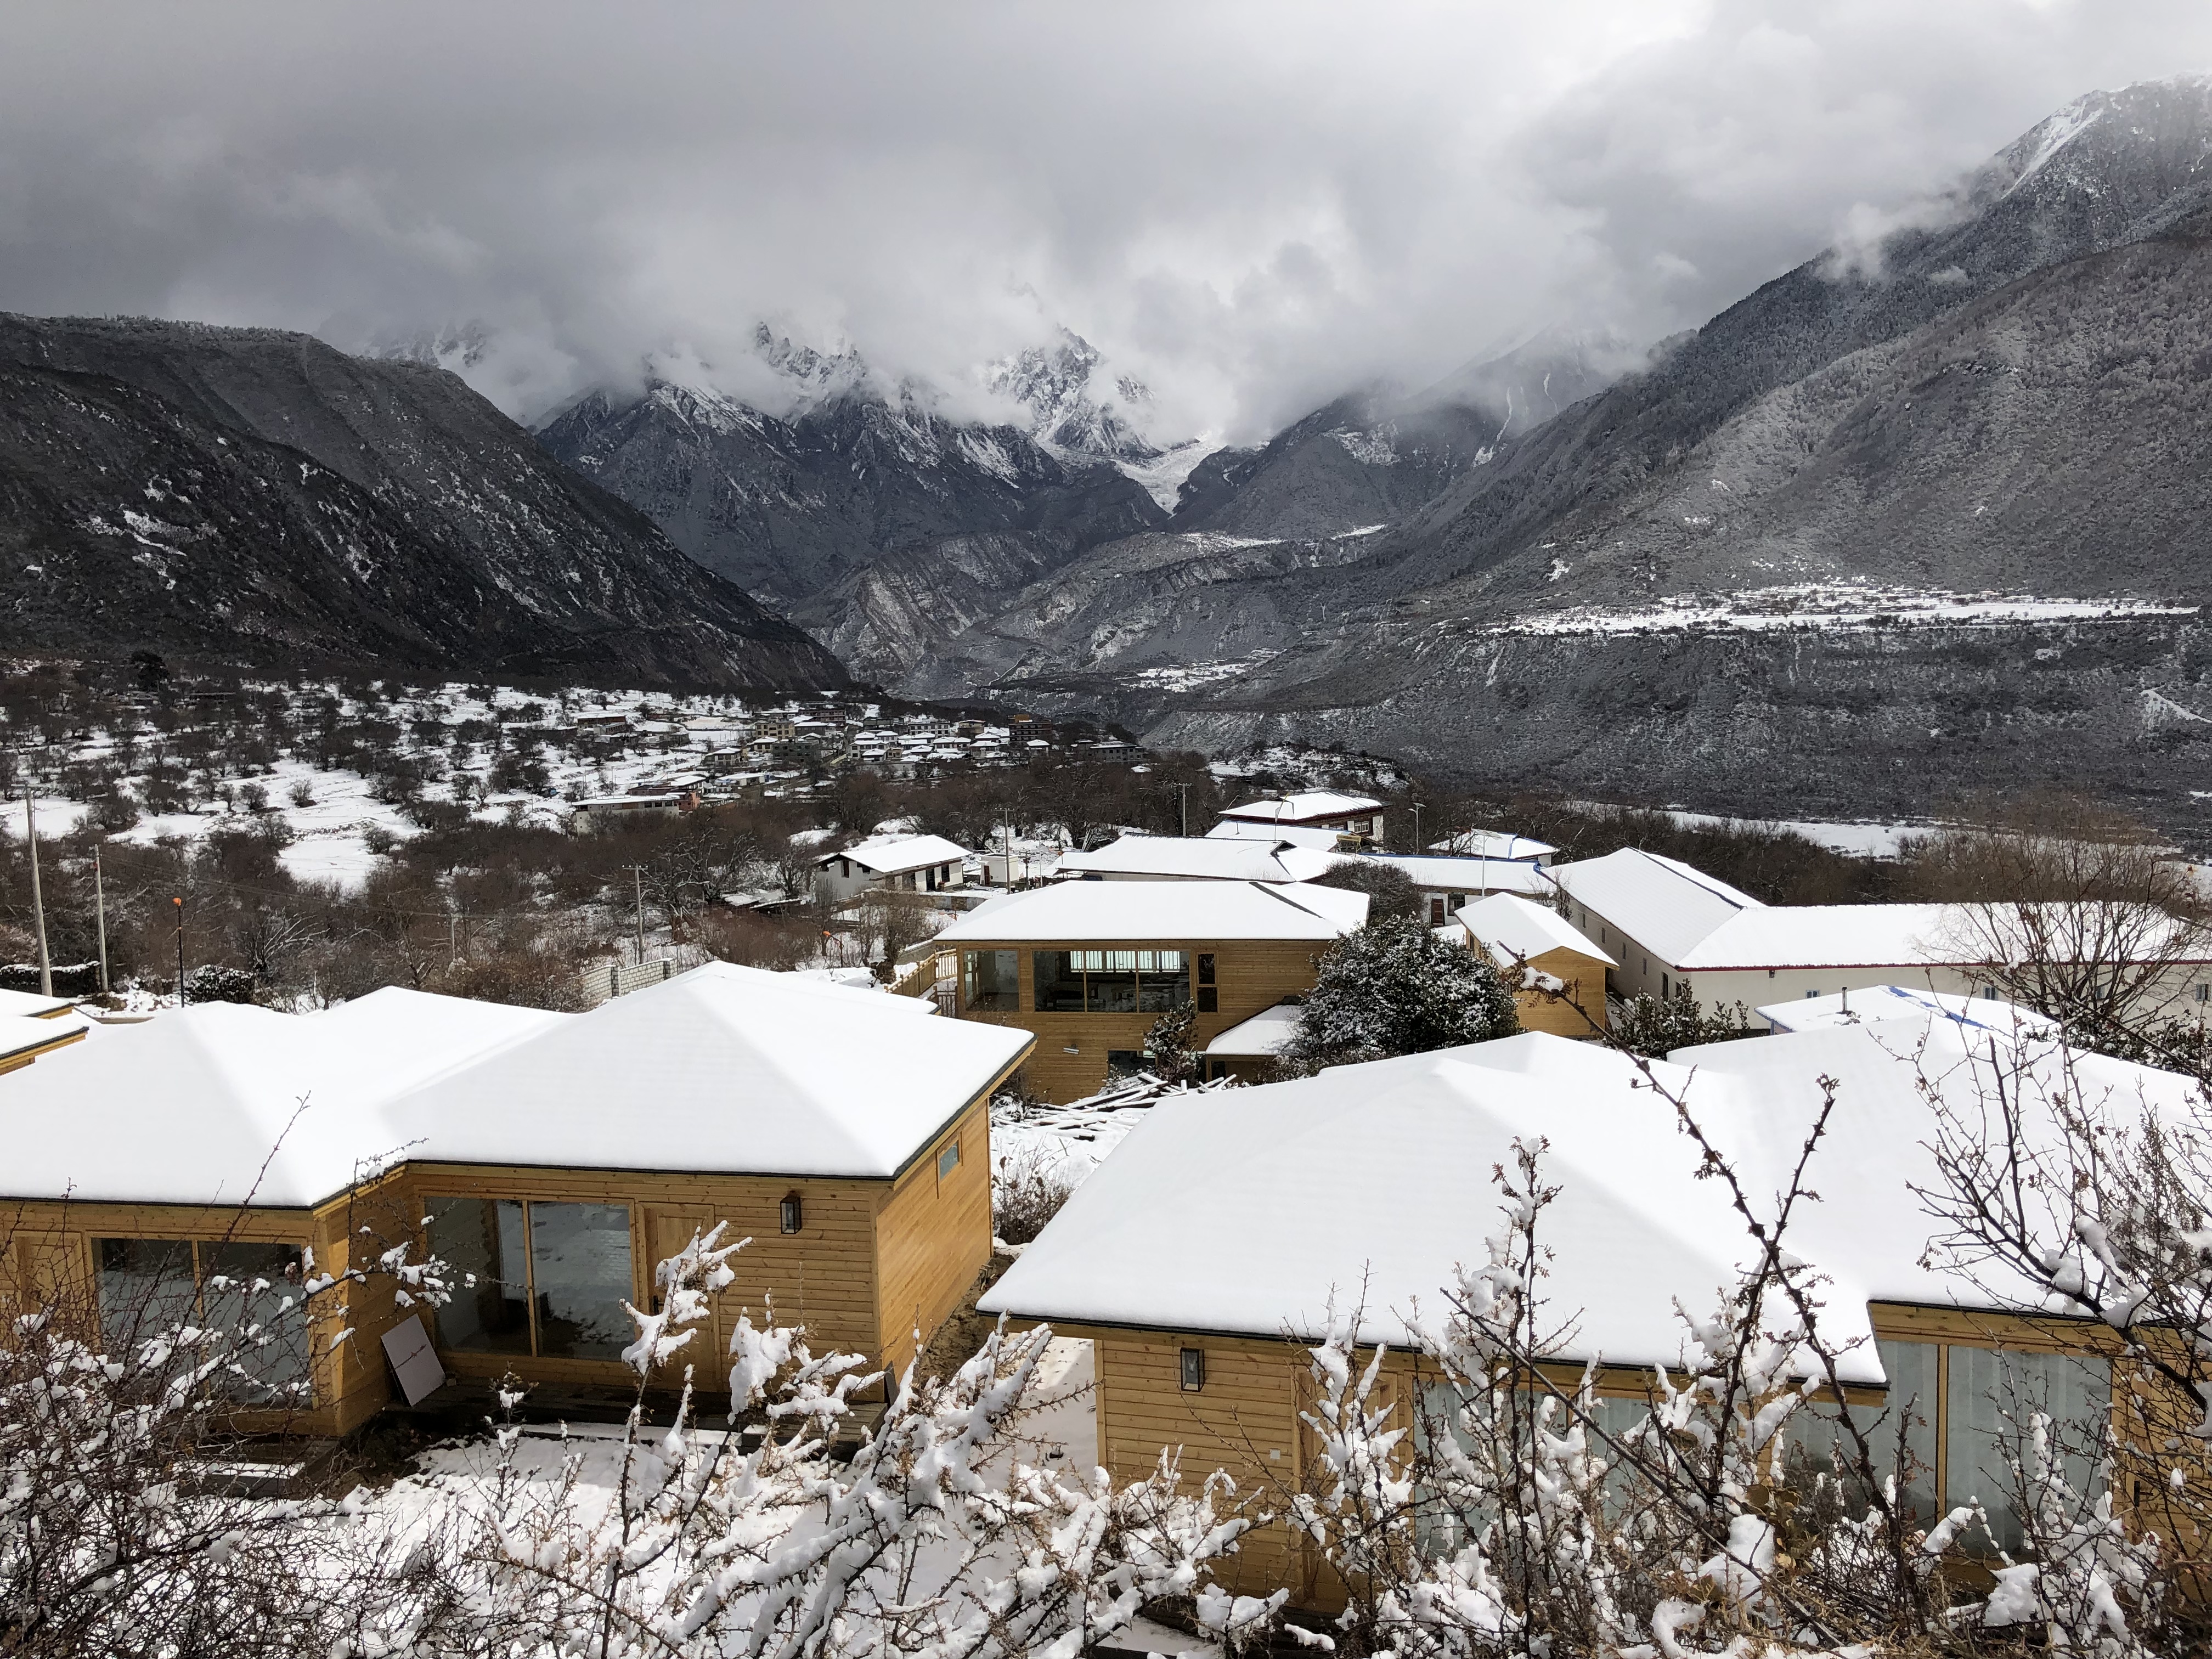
[1244,1420]
[822,1276]
[1585,981]
[1069,1061]
[933,1236]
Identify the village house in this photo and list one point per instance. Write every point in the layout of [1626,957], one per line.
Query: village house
[1090,966]
[557,1157]
[908,864]
[1448,885]
[604,812]
[1495,844]
[1669,926]
[1323,840]
[1354,1195]
[1249,1051]
[1353,816]
[1557,973]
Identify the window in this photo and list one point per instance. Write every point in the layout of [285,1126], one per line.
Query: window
[1193,1369]
[1110,982]
[949,1159]
[151,1285]
[1124,1062]
[544,1279]
[1812,993]
[1209,994]
[1991,1395]
[991,981]
[2204,993]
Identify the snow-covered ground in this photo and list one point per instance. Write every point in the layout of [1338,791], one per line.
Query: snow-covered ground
[1866,841]
[1831,605]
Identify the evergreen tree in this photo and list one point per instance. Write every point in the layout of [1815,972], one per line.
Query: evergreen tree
[1394,987]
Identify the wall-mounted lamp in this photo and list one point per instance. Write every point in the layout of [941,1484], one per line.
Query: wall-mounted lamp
[1194,1370]
[789,1215]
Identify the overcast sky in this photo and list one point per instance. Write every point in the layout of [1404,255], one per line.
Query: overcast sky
[1251,207]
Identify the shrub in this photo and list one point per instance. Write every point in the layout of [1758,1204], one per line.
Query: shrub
[1026,1192]
[214,982]
[1656,1026]
[1390,891]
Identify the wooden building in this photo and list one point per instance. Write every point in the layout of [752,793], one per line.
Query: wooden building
[1349,1200]
[1089,966]
[1557,974]
[551,1160]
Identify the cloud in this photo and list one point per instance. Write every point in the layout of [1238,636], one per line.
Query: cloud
[1248,207]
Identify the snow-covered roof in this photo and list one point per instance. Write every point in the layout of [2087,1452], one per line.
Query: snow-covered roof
[26,1037]
[29,1005]
[1886,936]
[1494,844]
[1245,1212]
[894,856]
[1297,835]
[1308,806]
[1457,875]
[1164,911]
[725,1069]
[1267,1032]
[1880,1002]
[186,1108]
[1194,858]
[612,803]
[720,1069]
[1660,903]
[1512,929]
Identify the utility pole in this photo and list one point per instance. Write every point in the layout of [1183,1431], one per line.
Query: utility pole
[38,904]
[637,877]
[1183,793]
[179,903]
[1417,806]
[99,913]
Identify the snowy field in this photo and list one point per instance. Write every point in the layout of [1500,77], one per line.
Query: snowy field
[334,815]
[1829,606]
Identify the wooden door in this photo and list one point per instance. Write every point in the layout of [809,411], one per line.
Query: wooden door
[667,1231]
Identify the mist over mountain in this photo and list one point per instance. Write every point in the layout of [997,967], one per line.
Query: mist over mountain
[1741,570]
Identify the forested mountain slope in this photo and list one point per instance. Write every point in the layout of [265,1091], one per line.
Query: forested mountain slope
[254,494]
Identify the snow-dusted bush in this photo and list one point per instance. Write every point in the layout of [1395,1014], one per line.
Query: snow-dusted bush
[1656,1026]
[1394,987]
[930,1540]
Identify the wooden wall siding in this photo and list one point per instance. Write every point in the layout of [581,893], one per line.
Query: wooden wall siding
[50,1254]
[822,1276]
[1585,981]
[1244,1420]
[1250,973]
[933,1238]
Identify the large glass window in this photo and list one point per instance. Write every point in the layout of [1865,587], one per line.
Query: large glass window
[544,1279]
[1111,981]
[579,1278]
[1900,1432]
[991,981]
[150,1288]
[1992,1396]
[482,1240]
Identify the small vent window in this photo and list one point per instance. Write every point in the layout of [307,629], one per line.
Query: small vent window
[948,1160]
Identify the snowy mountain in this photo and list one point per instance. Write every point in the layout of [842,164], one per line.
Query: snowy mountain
[1746,571]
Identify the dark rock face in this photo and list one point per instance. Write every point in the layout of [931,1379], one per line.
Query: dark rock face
[788,509]
[253,493]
